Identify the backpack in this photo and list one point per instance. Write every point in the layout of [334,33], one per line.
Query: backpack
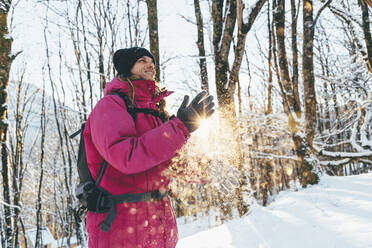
[90,195]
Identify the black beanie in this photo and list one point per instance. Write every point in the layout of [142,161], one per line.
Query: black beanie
[124,59]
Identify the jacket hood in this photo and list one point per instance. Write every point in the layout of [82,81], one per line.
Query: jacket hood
[116,86]
[145,89]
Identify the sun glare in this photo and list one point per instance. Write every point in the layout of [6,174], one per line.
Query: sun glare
[205,127]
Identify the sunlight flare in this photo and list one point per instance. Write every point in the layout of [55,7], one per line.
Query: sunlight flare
[206,126]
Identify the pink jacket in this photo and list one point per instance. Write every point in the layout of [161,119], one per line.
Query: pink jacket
[137,153]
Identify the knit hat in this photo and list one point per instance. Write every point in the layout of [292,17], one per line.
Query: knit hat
[124,59]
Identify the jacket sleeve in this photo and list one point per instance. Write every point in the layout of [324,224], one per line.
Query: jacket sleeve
[114,135]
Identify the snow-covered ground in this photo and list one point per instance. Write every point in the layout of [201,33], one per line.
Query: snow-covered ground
[336,213]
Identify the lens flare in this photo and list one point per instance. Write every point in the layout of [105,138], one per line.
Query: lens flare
[205,128]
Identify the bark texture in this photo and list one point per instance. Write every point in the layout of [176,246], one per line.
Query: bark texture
[5,63]
[152,19]
[367,33]
[201,48]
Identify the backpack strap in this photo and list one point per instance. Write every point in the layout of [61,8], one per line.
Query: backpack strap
[161,115]
[131,107]
[83,170]
[101,173]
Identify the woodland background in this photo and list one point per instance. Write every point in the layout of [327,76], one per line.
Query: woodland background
[291,79]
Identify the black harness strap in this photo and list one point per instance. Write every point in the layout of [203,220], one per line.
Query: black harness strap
[139,197]
[128,103]
[101,173]
[161,115]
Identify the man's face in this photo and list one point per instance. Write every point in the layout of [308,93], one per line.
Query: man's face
[143,69]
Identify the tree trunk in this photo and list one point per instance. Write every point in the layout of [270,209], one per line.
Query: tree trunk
[367,33]
[308,71]
[308,176]
[269,108]
[39,222]
[152,19]
[200,43]
[294,16]
[288,93]
[5,63]
[75,37]
[88,63]
[289,101]
[100,29]
[222,38]
[17,164]
[102,77]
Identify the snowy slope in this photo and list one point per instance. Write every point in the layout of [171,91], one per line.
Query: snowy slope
[336,213]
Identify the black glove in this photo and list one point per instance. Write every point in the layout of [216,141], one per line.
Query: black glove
[198,108]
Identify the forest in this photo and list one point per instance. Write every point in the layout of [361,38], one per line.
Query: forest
[292,81]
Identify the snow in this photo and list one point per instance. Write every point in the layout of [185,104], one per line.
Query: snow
[335,213]
[46,236]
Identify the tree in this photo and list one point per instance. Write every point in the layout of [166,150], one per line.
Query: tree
[6,59]
[289,87]
[39,204]
[20,117]
[243,29]
[152,19]
[224,19]
[367,32]
[201,48]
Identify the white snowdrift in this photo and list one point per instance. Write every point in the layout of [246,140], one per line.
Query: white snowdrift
[336,213]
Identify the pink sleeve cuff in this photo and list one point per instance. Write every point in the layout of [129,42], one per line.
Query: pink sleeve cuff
[182,126]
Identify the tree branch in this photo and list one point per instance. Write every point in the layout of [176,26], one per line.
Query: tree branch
[319,12]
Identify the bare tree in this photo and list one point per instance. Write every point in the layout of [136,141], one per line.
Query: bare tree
[269,107]
[39,220]
[6,59]
[19,127]
[243,29]
[289,87]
